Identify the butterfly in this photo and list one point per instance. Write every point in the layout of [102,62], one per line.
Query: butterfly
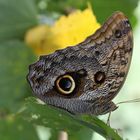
[83,79]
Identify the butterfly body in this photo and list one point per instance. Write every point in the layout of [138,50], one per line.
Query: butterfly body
[83,79]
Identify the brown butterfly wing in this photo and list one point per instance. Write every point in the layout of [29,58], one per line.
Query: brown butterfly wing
[104,58]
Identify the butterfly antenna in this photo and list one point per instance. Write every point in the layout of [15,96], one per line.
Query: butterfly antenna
[129,101]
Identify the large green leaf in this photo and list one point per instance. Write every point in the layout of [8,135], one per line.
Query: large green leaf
[58,119]
[104,8]
[16,17]
[82,134]
[14,128]
[14,60]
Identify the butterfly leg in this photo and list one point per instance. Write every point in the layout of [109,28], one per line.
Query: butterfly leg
[108,119]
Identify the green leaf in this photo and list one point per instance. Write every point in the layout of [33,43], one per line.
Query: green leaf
[82,134]
[58,119]
[14,60]
[16,17]
[104,8]
[14,128]
[63,6]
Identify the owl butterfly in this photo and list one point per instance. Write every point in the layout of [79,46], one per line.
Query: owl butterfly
[83,79]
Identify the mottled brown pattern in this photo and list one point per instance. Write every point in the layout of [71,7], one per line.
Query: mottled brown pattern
[103,60]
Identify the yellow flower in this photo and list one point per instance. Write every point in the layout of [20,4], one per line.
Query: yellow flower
[67,31]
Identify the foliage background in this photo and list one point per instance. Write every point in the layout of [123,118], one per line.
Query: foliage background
[20,116]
